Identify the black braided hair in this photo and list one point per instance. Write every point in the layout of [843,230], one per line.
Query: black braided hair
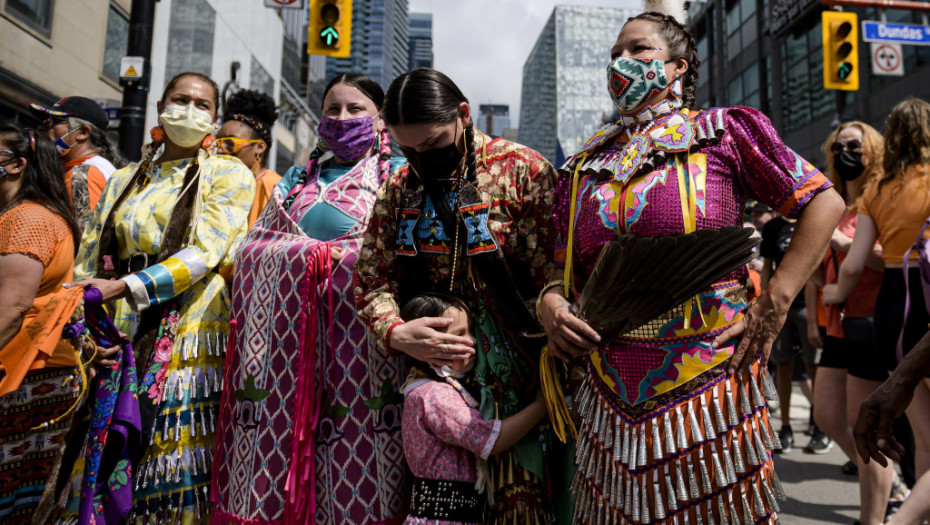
[681,44]
[471,159]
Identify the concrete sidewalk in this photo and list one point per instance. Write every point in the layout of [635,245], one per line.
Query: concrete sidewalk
[818,492]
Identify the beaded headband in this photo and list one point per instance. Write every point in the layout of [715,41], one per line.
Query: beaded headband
[255,124]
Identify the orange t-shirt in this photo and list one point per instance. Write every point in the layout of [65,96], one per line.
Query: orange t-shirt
[861,301]
[96,180]
[264,185]
[899,211]
[35,231]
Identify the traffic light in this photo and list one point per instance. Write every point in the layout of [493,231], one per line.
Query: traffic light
[840,50]
[330,28]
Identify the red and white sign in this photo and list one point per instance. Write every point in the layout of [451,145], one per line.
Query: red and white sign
[285,4]
[887,60]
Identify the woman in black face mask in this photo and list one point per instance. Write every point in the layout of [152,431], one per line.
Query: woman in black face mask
[470,215]
[850,368]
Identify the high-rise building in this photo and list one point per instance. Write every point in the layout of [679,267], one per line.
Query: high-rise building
[493,119]
[55,49]
[769,55]
[564,98]
[379,41]
[212,36]
[420,30]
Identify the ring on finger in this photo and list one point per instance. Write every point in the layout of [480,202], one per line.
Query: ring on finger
[442,349]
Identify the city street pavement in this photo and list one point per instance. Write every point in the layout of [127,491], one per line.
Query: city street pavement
[818,492]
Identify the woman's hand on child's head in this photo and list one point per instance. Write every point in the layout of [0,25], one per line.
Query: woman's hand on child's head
[425,339]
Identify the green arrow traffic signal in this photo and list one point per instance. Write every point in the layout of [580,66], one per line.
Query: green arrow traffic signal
[844,70]
[329,35]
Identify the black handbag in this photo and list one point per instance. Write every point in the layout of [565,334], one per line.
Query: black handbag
[856,329]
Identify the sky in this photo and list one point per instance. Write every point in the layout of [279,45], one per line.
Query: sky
[482,44]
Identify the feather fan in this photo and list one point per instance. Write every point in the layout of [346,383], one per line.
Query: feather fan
[636,279]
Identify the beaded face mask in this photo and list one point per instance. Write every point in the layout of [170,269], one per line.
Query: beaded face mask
[632,81]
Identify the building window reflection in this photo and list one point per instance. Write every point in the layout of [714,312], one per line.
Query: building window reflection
[37,14]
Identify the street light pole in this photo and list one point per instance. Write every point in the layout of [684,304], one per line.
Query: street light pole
[135,92]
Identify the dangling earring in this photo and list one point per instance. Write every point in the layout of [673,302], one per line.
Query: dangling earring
[257,164]
[677,90]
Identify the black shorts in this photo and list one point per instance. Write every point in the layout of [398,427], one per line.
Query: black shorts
[859,358]
[889,314]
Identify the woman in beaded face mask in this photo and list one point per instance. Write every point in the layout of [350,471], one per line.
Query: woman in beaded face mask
[666,171]
[342,459]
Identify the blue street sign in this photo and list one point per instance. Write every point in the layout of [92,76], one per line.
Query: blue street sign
[873,31]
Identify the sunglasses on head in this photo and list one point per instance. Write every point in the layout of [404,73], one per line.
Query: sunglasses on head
[852,145]
[233,145]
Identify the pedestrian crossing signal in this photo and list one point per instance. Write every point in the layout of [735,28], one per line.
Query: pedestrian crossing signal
[330,28]
[840,50]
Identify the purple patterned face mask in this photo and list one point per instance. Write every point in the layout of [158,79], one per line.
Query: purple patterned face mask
[348,139]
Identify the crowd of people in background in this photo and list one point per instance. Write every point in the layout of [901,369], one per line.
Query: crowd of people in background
[459,332]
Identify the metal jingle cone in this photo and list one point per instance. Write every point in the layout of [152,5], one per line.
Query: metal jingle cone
[600,511]
[718,414]
[596,422]
[680,429]
[628,494]
[670,490]
[767,436]
[705,476]
[646,511]
[637,507]
[669,437]
[656,440]
[776,484]
[634,449]
[618,439]
[616,493]
[696,435]
[757,507]
[641,459]
[722,510]
[738,454]
[734,514]
[625,451]
[599,470]
[590,467]
[770,496]
[760,447]
[747,510]
[657,497]
[733,418]
[692,480]
[682,490]
[609,434]
[698,519]
[728,465]
[710,515]
[609,481]
[719,474]
[757,399]
[768,386]
[708,422]
[744,404]
[766,420]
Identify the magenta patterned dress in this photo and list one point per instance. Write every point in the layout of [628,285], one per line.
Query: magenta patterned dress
[442,435]
[661,439]
[310,428]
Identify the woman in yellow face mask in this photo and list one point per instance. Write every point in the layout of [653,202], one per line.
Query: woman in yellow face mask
[157,239]
[246,133]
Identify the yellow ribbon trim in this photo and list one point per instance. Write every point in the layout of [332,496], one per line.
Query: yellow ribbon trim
[561,419]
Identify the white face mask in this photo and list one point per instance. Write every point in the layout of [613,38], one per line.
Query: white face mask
[186,126]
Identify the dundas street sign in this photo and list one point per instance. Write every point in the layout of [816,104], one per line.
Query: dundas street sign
[873,31]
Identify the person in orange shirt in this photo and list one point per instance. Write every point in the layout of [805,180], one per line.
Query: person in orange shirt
[78,126]
[246,133]
[39,382]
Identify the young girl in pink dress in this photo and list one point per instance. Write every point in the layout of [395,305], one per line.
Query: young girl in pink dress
[446,441]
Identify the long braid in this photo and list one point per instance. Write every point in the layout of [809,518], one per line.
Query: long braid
[384,155]
[471,160]
[108,245]
[681,44]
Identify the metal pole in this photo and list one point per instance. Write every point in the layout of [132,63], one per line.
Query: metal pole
[135,93]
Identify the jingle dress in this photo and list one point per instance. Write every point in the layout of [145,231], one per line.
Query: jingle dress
[311,416]
[184,376]
[661,438]
[515,188]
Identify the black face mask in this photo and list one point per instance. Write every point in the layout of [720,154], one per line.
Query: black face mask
[848,164]
[436,163]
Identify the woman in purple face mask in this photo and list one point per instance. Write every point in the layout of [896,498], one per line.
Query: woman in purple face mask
[310,427]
